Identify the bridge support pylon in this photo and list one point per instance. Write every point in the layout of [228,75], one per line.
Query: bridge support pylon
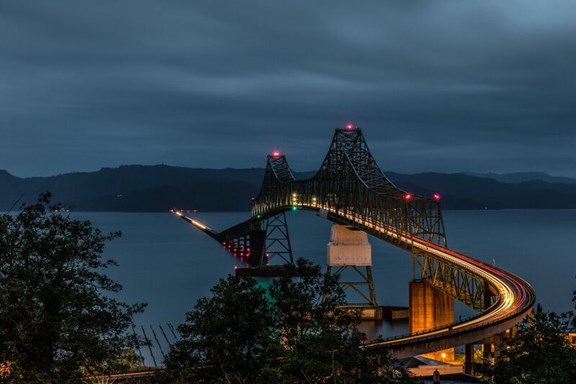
[277,240]
[349,249]
[430,308]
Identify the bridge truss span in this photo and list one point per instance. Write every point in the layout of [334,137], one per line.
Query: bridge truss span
[350,189]
[349,180]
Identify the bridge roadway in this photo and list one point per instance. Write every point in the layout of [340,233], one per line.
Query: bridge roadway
[514,297]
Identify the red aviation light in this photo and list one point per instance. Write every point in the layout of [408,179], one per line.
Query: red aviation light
[350,127]
[407,197]
[276,154]
[436,197]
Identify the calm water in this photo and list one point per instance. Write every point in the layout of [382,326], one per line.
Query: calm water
[167,263]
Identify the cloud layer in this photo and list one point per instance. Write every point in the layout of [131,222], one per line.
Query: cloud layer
[447,86]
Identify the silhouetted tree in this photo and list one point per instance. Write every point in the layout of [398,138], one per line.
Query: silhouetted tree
[539,353]
[56,321]
[296,332]
[319,337]
[226,338]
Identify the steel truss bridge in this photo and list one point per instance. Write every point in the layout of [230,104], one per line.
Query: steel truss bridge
[350,189]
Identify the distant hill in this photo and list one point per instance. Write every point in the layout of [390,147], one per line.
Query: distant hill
[137,188]
[520,177]
[461,191]
[140,188]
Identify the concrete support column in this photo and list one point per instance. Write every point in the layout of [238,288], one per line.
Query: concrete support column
[499,344]
[430,308]
[349,250]
[469,360]
[348,247]
[486,352]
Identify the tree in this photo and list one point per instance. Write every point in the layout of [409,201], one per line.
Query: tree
[226,338]
[320,337]
[296,332]
[539,353]
[56,320]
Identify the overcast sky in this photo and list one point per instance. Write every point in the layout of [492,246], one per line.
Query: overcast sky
[463,85]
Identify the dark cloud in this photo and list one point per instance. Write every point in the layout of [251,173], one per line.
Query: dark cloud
[445,86]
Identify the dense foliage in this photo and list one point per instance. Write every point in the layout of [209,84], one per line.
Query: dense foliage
[56,321]
[540,352]
[295,332]
[225,336]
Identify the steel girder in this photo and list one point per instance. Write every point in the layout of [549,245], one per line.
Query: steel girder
[350,181]
[455,281]
[364,287]
[277,240]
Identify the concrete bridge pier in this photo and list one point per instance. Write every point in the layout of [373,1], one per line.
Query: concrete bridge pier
[487,352]
[469,359]
[430,308]
[349,249]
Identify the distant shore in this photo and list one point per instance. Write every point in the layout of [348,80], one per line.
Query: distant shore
[158,188]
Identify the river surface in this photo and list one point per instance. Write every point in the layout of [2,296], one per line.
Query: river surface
[169,264]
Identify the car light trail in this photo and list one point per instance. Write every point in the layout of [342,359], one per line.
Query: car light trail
[514,296]
[192,221]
